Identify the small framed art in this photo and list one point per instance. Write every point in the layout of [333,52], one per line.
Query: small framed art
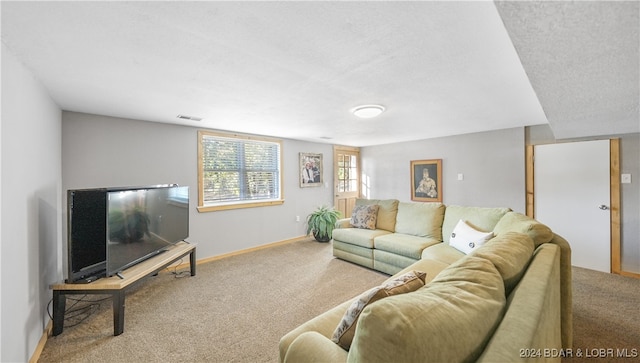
[426,180]
[310,170]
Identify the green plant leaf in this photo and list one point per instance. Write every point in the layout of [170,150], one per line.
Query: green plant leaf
[322,221]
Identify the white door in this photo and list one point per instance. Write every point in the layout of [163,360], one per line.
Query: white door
[572,197]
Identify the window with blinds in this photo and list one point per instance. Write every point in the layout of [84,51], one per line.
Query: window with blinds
[237,171]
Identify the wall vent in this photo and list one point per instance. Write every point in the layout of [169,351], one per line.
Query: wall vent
[191,118]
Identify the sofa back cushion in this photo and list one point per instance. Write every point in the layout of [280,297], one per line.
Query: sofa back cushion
[387,211]
[420,219]
[483,219]
[510,253]
[449,320]
[517,222]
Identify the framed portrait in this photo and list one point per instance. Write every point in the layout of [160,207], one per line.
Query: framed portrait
[310,170]
[426,180]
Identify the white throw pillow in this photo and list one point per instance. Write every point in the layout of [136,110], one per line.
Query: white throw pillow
[466,238]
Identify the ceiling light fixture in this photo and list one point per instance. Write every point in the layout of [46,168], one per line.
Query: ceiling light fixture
[368,111]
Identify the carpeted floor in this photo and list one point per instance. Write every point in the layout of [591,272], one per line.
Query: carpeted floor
[234,309]
[237,308]
[606,317]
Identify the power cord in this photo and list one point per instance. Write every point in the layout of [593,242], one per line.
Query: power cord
[75,314]
[178,274]
[91,305]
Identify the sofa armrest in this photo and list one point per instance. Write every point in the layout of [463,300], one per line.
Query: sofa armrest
[314,347]
[566,290]
[343,223]
[323,324]
[532,318]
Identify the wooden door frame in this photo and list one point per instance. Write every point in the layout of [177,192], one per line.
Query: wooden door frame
[614,186]
[351,149]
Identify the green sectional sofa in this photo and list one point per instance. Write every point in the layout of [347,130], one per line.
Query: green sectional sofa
[496,288]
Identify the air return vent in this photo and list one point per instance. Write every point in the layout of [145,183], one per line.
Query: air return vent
[190,118]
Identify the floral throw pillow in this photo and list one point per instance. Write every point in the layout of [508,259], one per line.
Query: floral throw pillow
[364,216]
[408,282]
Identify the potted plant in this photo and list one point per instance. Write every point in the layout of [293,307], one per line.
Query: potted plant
[322,222]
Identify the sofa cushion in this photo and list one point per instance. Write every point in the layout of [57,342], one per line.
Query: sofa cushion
[517,222]
[364,216]
[387,211]
[411,281]
[484,219]
[346,251]
[429,266]
[442,252]
[510,253]
[465,238]
[420,219]
[358,236]
[390,263]
[404,244]
[419,327]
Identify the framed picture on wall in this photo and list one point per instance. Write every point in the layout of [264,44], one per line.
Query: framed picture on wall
[310,170]
[426,180]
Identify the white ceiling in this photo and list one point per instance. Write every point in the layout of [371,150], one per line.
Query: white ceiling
[583,60]
[296,69]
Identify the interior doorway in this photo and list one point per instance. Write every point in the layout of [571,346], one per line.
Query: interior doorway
[574,189]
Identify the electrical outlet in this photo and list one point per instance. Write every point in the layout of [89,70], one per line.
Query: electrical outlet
[625,178]
[297,218]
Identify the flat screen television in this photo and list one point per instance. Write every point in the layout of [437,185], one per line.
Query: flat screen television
[111,229]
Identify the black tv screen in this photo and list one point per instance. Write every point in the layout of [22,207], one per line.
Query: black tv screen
[111,229]
[86,231]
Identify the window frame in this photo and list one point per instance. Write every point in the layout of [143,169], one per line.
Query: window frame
[202,207]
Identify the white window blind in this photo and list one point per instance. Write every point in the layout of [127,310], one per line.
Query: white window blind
[179,194]
[238,170]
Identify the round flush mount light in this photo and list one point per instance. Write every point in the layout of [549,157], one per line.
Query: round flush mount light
[368,111]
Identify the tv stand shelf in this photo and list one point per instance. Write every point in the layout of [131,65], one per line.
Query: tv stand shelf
[116,285]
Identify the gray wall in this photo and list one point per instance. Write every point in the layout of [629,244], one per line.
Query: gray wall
[30,225]
[492,163]
[100,151]
[630,203]
[629,193]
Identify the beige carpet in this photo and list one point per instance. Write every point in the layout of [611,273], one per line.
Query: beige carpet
[236,309]
[606,317]
[233,310]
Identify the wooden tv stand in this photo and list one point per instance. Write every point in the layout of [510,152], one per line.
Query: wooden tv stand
[116,285]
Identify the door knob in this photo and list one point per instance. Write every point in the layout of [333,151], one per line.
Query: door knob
[603,207]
